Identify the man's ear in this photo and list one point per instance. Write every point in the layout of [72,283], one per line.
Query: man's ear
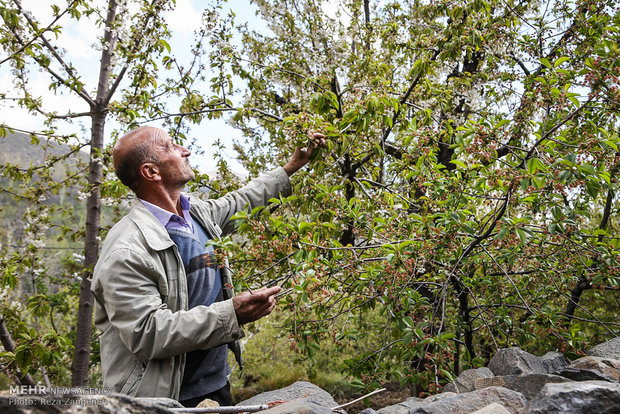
[150,171]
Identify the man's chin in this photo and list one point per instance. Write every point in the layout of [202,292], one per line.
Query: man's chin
[190,177]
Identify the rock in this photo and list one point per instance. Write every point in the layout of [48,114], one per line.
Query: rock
[299,406]
[609,349]
[465,381]
[208,403]
[402,407]
[467,402]
[591,368]
[313,397]
[554,361]
[576,374]
[587,397]
[515,361]
[529,385]
[604,366]
[164,402]
[494,408]
[412,403]
[367,411]
[79,404]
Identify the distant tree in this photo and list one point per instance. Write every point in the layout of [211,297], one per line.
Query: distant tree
[139,79]
[468,190]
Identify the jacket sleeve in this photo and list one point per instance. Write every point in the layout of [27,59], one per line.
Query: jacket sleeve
[256,193]
[135,308]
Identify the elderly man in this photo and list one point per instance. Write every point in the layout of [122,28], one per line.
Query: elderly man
[165,323]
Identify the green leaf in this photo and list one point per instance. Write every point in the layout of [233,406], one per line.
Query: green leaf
[534,165]
[459,163]
[593,188]
[560,60]
[523,236]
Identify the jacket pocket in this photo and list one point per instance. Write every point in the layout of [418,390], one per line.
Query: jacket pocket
[131,382]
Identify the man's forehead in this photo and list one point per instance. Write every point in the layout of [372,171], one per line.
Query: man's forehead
[161,138]
[161,135]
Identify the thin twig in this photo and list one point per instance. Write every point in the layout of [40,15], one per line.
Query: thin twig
[358,399]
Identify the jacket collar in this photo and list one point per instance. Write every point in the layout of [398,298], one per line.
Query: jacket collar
[154,232]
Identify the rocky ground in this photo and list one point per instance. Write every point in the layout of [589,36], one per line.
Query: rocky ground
[514,382]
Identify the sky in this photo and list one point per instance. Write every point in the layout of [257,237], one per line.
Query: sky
[80,42]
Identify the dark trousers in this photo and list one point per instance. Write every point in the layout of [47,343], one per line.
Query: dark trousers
[222,396]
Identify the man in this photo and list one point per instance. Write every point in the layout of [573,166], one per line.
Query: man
[164,321]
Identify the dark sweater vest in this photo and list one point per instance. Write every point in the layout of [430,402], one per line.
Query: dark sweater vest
[206,371]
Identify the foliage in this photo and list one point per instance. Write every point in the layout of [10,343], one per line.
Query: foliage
[467,190]
[465,201]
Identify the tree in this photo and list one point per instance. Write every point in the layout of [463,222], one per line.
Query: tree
[139,80]
[467,193]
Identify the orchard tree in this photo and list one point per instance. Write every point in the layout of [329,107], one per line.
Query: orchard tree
[466,200]
[137,79]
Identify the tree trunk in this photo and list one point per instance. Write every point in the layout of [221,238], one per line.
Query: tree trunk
[81,357]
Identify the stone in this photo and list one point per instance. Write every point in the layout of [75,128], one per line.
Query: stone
[298,406]
[412,403]
[554,361]
[207,403]
[465,381]
[402,407]
[164,402]
[604,366]
[467,402]
[515,361]
[576,374]
[609,349]
[367,411]
[587,397]
[529,385]
[493,408]
[591,368]
[305,392]
[79,404]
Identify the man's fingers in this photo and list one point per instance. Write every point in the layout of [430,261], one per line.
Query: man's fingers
[252,306]
[267,292]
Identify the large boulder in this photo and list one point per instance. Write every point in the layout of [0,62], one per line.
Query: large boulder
[609,349]
[515,361]
[467,402]
[298,406]
[493,408]
[554,361]
[529,384]
[412,403]
[466,379]
[300,397]
[587,397]
[592,368]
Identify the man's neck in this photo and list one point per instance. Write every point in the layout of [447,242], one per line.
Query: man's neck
[168,200]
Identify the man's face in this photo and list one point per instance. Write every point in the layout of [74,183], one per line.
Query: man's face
[174,166]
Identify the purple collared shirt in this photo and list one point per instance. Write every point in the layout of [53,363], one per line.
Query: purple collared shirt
[170,220]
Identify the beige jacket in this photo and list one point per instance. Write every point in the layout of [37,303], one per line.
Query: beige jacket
[141,295]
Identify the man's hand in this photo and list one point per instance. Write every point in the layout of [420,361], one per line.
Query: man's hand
[301,156]
[250,307]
